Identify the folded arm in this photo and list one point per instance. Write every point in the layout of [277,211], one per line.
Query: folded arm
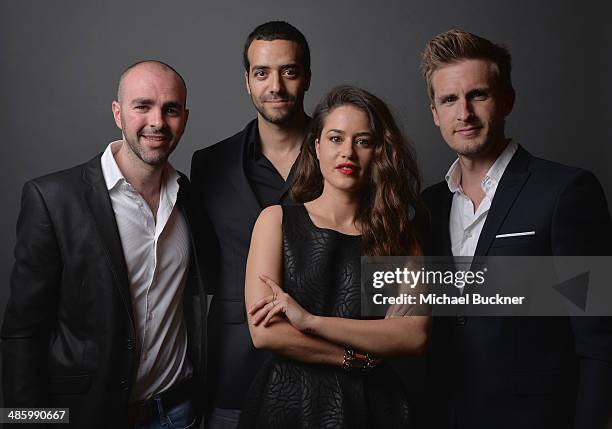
[389,337]
[265,257]
[396,336]
[393,336]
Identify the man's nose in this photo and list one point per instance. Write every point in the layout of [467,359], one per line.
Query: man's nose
[465,111]
[276,84]
[156,118]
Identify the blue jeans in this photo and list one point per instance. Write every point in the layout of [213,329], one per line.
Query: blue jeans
[181,416]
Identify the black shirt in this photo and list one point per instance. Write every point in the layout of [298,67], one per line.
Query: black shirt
[266,182]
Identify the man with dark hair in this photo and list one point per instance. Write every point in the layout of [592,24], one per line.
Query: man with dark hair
[233,181]
[107,312]
[277,30]
[497,199]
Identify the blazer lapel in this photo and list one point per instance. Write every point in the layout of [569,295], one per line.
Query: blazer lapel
[196,320]
[442,227]
[99,203]
[443,242]
[245,190]
[251,131]
[509,187]
[238,175]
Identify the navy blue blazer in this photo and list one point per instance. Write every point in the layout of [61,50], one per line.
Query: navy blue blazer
[524,372]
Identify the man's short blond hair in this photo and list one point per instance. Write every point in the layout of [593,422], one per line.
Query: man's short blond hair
[456,45]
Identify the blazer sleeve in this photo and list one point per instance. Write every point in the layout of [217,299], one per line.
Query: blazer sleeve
[582,226]
[32,305]
[208,235]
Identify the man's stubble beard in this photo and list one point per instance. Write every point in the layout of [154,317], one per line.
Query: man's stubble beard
[491,147]
[140,152]
[282,119]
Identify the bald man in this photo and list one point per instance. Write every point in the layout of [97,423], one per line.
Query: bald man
[107,312]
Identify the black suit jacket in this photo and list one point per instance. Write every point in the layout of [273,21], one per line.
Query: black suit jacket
[527,372]
[223,190]
[68,333]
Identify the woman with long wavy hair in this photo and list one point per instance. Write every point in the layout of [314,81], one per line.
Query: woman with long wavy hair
[358,187]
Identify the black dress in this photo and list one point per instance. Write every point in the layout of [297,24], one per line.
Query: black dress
[322,273]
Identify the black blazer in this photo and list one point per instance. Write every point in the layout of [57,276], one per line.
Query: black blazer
[221,187]
[519,371]
[68,333]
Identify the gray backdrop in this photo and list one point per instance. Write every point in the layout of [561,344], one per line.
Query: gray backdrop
[61,60]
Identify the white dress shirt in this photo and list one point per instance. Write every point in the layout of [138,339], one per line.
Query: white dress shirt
[157,256]
[465,224]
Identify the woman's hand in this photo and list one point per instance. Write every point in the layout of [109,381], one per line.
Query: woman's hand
[279,302]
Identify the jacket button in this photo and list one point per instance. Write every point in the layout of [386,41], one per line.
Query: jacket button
[124,385]
[461,320]
[129,344]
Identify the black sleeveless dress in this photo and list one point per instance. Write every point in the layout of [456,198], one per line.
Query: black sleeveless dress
[321,271]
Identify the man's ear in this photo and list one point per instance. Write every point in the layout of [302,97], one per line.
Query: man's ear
[308,74]
[509,98]
[246,82]
[116,107]
[434,113]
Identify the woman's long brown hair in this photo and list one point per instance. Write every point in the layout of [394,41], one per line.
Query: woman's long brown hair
[390,203]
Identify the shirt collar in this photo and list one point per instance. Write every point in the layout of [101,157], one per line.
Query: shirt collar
[453,177]
[253,142]
[499,166]
[493,176]
[113,175]
[110,169]
[170,179]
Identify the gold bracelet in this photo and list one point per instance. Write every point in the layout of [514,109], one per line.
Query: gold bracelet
[356,360]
